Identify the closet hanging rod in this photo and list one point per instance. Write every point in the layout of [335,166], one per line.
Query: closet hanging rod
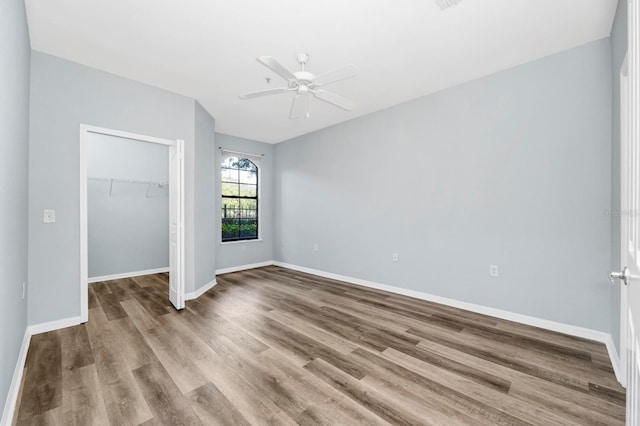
[145,182]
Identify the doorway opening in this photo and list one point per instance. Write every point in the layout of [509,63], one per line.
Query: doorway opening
[132,186]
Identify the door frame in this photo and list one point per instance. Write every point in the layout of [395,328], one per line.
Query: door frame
[85,129]
[624,209]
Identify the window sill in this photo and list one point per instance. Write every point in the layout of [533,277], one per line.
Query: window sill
[259,240]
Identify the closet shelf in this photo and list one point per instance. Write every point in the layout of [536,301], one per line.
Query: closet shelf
[139,182]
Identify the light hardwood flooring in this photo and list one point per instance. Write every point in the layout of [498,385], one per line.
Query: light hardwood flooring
[274,346]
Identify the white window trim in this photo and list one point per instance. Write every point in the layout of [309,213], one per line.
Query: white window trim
[259,240]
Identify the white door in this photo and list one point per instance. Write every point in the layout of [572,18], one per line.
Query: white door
[630,216]
[176,224]
[625,207]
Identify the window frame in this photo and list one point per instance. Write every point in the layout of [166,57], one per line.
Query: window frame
[239,197]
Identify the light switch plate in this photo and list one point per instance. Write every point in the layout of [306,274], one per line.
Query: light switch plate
[49,216]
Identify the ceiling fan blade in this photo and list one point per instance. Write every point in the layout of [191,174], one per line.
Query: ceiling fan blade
[336,75]
[276,67]
[265,92]
[334,99]
[299,107]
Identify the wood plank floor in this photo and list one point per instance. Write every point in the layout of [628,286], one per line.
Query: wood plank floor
[274,346]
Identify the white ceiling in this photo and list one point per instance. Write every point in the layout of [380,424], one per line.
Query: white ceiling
[207,49]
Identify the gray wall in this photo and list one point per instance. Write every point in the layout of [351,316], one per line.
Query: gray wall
[14,138]
[128,223]
[248,252]
[205,198]
[513,169]
[64,95]
[618,51]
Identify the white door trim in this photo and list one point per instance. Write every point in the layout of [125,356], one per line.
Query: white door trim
[85,129]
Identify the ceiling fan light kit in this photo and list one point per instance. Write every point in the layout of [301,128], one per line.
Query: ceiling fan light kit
[305,83]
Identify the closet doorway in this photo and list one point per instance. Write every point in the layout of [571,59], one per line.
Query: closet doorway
[131,209]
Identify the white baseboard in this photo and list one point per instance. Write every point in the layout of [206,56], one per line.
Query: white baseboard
[127,275]
[615,359]
[244,267]
[572,330]
[54,325]
[199,292]
[14,388]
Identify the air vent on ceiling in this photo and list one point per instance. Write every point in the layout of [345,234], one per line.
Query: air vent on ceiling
[445,4]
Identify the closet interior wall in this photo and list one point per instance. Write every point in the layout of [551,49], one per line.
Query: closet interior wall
[128,206]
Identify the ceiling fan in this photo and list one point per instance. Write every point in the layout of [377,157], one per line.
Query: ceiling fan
[304,83]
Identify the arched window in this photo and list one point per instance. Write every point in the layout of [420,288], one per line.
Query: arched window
[239,199]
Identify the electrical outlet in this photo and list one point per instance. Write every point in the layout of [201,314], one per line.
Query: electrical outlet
[316,247]
[49,216]
[24,289]
[394,257]
[494,271]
